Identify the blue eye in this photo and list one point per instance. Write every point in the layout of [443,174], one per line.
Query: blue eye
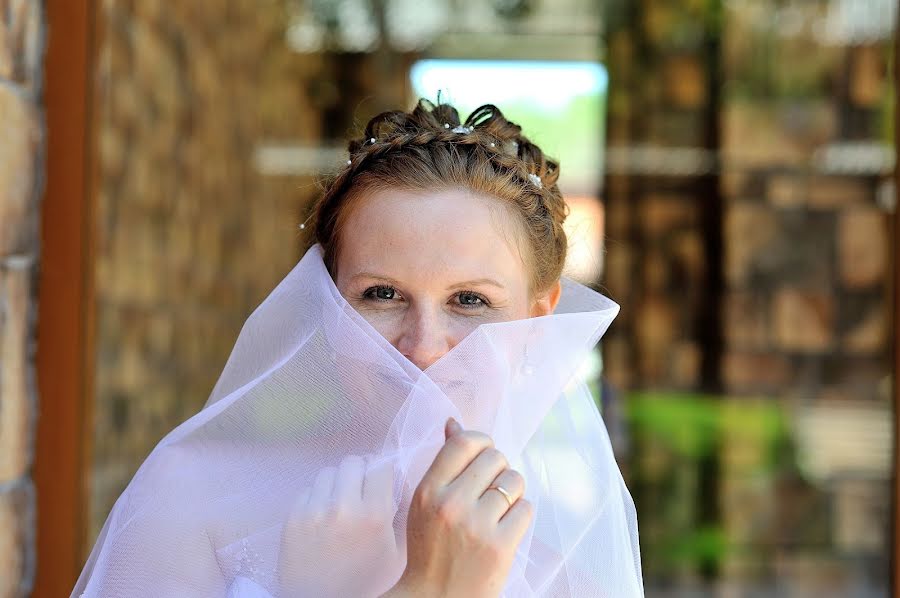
[380,293]
[468,299]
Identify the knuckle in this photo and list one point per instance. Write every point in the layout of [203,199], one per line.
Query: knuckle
[463,442]
[423,496]
[477,536]
[494,552]
[516,478]
[456,443]
[496,456]
[481,438]
[447,512]
[470,442]
[526,507]
[470,531]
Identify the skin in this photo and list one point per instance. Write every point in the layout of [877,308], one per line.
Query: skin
[425,269]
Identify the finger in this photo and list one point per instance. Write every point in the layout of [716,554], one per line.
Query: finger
[322,487]
[513,525]
[458,451]
[299,516]
[301,503]
[378,486]
[474,480]
[493,504]
[452,427]
[349,480]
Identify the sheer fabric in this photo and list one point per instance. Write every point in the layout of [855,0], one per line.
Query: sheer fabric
[296,476]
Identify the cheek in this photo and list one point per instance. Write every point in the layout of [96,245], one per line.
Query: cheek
[523,308]
[388,322]
[459,327]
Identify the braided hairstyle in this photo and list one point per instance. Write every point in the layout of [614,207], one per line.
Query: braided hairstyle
[430,149]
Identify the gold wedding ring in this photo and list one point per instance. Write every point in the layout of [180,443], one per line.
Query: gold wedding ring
[504,492]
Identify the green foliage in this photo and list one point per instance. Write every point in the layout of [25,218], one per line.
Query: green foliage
[692,425]
[681,442]
[703,544]
[686,423]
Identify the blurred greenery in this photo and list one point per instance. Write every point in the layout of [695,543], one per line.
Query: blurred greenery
[676,436]
[690,424]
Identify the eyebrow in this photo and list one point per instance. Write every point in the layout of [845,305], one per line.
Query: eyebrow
[459,285]
[375,276]
[477,282]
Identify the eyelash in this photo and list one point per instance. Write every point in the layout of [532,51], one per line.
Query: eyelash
[479,296]
[370,294]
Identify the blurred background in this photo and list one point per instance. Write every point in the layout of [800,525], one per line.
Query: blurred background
[730,168]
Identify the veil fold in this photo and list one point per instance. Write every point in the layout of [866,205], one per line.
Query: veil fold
[235,501]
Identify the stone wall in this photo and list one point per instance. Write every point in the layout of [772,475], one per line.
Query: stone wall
[21,183]
[803,240]
[194,225]
[807,306]
[662,199]
[189,237]
[748,201]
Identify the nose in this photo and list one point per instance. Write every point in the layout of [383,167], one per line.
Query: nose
[424,337]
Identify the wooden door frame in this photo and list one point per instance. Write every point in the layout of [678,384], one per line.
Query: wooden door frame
[895,548]
[64,355]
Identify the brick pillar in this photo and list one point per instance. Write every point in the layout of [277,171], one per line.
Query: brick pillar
[21,182]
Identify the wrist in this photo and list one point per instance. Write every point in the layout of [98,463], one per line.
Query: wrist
[400,590]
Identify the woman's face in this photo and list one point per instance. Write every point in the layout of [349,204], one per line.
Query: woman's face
[426,268]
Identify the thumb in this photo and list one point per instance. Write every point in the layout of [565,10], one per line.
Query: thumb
[452,427]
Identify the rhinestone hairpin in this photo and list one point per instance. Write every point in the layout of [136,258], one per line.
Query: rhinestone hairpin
[536,180]
[462,129]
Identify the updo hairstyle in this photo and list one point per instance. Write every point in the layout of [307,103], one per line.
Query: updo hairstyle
[429,149]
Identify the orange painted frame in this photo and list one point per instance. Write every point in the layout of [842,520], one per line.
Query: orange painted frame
[895,557]
[65,298]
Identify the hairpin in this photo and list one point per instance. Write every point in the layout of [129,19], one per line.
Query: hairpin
[462,129]
[536,180]
[510,147]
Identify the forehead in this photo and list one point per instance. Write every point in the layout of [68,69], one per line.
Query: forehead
[447,233]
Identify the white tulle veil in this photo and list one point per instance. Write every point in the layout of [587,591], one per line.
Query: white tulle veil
[309,385]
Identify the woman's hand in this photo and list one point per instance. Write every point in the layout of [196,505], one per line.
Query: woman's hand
[339,539]
[461,534]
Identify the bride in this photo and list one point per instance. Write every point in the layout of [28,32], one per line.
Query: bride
[402,415]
